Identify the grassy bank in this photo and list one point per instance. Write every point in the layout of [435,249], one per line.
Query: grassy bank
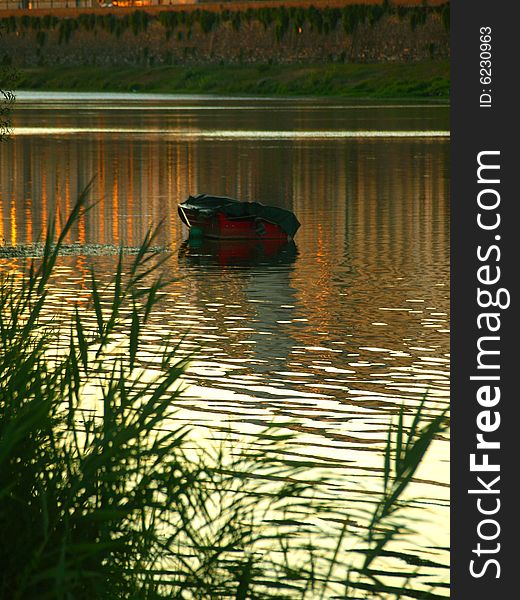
[418,80]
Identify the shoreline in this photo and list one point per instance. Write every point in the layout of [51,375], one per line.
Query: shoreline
[417,81]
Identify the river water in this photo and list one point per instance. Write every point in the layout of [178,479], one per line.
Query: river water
[334,333]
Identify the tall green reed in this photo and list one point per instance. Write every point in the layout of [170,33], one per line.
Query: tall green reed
[104,495]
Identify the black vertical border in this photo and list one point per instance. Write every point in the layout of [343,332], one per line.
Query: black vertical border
[475,129]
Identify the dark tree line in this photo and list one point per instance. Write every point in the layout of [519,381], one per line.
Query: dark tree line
[282,19]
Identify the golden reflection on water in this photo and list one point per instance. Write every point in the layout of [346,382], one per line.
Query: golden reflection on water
[334,334]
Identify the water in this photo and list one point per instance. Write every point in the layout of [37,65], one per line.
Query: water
[333,334]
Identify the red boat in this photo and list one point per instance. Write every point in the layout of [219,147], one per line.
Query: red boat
[219,217]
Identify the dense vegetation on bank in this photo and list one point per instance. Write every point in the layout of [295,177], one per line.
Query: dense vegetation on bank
[418,80]
[359,50]
[180,23]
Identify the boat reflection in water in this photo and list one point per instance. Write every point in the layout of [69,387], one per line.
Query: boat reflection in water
[258,275]
[241,253]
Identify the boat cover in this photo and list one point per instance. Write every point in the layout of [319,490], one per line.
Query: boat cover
[208,206]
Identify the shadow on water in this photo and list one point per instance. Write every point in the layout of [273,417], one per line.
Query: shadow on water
[263,270]
[237,253]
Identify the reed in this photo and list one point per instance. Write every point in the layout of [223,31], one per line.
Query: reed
[104,495]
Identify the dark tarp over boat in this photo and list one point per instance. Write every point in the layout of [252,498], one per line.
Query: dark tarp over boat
[208,206]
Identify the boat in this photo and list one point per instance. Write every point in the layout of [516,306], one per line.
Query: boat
[223,218]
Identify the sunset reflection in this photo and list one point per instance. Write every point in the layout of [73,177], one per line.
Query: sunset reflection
[332,334]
